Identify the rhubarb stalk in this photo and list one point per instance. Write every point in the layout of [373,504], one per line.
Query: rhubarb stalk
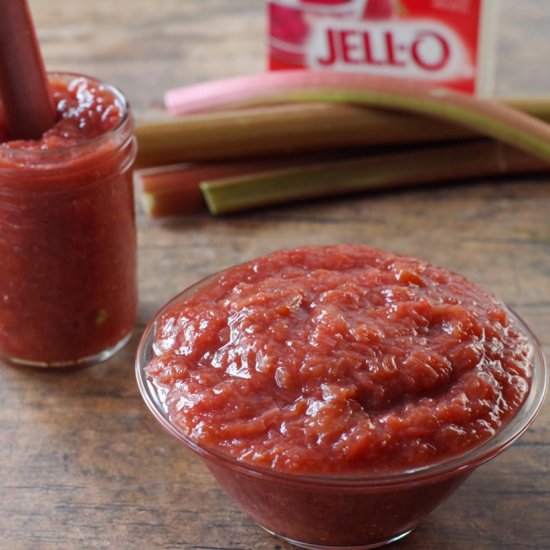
[295,128]
[439,164]
[484,117]
[174,189]
[283,129]
[171,190]
[24,88]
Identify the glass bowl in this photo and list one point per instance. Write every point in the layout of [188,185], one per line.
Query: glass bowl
[337,511]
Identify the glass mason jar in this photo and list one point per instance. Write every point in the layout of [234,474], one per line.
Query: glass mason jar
[68,244]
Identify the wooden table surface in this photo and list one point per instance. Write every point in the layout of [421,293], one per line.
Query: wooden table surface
[83,464]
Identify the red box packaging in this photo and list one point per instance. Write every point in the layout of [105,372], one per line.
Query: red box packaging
[442,42]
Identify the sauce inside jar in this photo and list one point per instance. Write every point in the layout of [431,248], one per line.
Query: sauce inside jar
[68,244]
[340,359]
[85,110]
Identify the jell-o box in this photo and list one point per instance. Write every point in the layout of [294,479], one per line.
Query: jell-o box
[446,43]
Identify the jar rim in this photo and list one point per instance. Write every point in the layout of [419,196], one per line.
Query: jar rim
[452,466]
[50,153]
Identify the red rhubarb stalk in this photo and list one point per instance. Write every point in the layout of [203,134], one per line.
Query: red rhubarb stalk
[485,117]
[24,89]
[174,189]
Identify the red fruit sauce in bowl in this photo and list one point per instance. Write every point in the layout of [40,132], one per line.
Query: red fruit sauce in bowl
[339,394]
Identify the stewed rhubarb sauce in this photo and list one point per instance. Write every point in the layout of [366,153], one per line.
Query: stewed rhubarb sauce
[340,359]
[67,230]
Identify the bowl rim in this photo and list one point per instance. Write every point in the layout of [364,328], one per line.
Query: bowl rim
[452,466]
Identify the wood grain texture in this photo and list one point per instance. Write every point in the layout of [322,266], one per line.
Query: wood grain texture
[82,462]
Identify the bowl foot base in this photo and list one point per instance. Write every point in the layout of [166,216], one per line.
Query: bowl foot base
[311,546]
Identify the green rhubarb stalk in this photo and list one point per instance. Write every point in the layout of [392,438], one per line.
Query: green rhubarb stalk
[295,128]
[438,164]
[538,107]
[282,129]
[487,118]
[174,189]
